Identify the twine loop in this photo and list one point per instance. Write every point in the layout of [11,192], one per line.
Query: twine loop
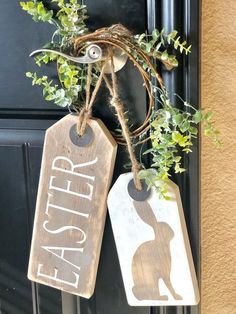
[86,112]
[116,102]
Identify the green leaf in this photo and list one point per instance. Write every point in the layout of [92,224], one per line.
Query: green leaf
[178,169]
[176,43]
[164,55]
[155,34]
[148,151]
[40,8]
[178,158]
[197,117]
[141,37]
[60,93]
[49,97]
[208,116]
[172,59]
[193,130]
[26,6]
[177,119]
[145,66]
[148,46]
[29,74]
[158,46]
[187,150]
[37,10]
[188,50]
[63,102]
[173,34]
[180,139]
[176,136]
[185,126]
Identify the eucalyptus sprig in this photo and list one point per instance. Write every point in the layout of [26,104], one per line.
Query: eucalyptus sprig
[69,19]
[69,22]
[171,135]
[157,44]
[38,11]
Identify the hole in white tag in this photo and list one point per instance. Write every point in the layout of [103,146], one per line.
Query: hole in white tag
[137,195]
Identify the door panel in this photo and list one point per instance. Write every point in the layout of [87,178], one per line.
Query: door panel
[20,37]
[183,15]
[20,158]
[130,14]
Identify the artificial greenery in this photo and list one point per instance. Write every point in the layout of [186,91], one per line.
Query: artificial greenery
[172,134]
[69,21]
[156,44]
[172,130]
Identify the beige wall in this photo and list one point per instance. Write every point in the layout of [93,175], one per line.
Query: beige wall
[218,177]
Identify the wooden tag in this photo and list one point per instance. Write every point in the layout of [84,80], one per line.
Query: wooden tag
[153,246]
[71,206]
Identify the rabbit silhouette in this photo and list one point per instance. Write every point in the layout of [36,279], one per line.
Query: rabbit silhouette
[152,259]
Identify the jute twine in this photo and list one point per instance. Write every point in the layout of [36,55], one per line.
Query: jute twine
[86,111]
[117,36]
[119,107]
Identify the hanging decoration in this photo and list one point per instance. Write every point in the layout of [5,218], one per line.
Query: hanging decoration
[78,160]
[71,205]
[152,245]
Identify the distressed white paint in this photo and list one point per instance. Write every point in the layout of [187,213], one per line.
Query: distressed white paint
[130,231]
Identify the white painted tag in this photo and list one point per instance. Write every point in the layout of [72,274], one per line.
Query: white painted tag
[153,247]
[71,206]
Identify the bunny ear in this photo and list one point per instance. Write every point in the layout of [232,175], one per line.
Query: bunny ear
[146,213]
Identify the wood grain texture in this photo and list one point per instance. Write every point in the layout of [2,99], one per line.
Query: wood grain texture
[218,180]
[153,247]
[71,208]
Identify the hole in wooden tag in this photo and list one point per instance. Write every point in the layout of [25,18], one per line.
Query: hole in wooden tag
[136,194]
[83,140]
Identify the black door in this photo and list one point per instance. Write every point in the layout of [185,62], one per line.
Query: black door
[24,116]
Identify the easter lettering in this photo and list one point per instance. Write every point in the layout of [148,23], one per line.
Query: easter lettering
[59,172]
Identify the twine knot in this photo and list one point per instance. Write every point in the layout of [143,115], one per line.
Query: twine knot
[84,115]
[116,102]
